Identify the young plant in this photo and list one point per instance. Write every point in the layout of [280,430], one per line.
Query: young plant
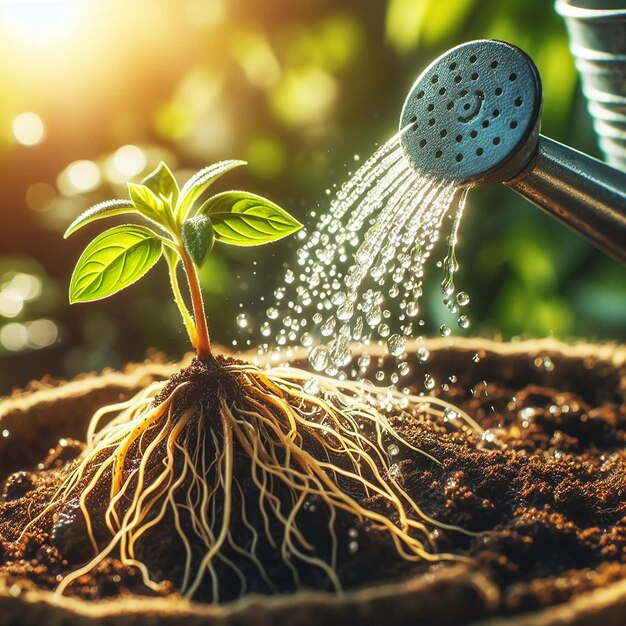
[209,480]
[178,228]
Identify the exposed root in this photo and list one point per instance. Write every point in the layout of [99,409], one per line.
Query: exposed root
[194,458]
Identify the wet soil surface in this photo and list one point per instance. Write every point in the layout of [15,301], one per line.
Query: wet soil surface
[543,493]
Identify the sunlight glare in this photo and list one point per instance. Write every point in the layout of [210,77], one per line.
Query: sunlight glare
[39,19]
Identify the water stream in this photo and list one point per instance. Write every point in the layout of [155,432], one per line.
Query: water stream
[383,225]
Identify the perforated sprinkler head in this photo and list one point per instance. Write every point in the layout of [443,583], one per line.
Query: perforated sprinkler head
[473,117]
[474,114]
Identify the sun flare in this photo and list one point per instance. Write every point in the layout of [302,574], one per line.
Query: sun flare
[39,20]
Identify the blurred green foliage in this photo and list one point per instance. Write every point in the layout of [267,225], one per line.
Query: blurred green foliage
[297,89]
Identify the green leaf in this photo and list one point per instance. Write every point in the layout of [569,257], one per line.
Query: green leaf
[245,219]
[162,183]
[109,208]
[146,202]
[199,182]
[198,238]
[114,260]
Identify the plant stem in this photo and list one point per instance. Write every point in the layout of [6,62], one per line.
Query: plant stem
[172,261]
[203,343]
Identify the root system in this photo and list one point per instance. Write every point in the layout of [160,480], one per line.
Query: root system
[233,459]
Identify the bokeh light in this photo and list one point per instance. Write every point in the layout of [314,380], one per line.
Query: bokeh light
[27,286]
[14,336]
[41,333]
[79,177]
[125,163]
[11,304]
[15,290]
[305,96]
[28,129]
[40,197]
[36,334]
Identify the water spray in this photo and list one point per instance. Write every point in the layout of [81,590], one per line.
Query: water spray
[474,116]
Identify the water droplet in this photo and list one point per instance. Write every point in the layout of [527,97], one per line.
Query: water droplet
[373,315]
[344,312]
[464,321]
[338,298]
[353,547]
[429,382]
[412,308]
[357,331]
[447,285]
[327,327]
[444,330]
[307,340]
[423,354]
[364,254]
[318,357]
[449,415]
[364,360]
[393,449]
[404,368]
[395,471]
[272,313]
[340,353]
[462,298]
[377,272]
[388,251]
[242,320]
[266,329]
[312,386]
[396,344]
[488,436]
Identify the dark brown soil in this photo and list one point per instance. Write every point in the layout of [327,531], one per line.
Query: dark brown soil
[548,508]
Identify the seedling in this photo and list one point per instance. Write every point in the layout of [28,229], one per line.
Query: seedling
[177,229]
[224,464]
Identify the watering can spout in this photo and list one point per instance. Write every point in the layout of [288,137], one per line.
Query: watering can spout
[585,194]
[473,118]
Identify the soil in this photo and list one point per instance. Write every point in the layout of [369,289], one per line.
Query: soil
[543,492]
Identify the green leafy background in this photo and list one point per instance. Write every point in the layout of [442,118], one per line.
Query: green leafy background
[297,89]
